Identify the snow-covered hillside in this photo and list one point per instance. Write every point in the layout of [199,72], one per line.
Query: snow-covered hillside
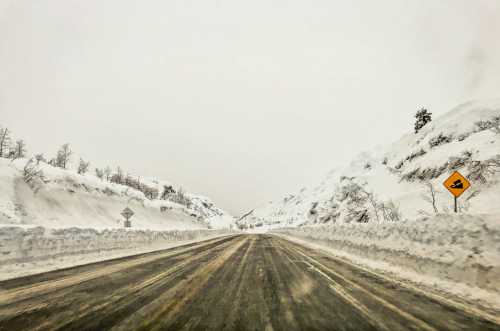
[62,199]
[398,183]
[388,209]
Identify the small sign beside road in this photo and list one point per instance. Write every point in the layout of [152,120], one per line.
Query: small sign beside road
[127,213]
[457,185]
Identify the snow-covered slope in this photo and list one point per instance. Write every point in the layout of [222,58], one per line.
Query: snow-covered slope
[396,183]
[64,199]
[388,209]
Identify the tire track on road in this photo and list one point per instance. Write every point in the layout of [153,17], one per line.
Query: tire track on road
[18,294]
[354,285]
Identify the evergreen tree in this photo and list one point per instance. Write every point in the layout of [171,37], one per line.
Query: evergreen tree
[423,117]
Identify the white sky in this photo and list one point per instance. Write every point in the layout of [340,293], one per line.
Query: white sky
[242,101]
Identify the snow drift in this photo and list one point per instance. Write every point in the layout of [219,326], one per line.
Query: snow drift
[460,248]
[25,251]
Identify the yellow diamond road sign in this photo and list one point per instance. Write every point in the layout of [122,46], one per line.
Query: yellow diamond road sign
[456,184]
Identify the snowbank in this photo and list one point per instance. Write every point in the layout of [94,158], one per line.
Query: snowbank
[462,249]
[26,251]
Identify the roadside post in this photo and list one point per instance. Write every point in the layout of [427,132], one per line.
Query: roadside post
[456,184]
[127,213]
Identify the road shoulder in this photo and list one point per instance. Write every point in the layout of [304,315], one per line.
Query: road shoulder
[477,302]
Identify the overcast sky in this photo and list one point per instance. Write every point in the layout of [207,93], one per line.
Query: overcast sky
[242,101]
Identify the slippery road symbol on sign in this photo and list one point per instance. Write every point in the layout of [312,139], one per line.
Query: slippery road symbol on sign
[456,184]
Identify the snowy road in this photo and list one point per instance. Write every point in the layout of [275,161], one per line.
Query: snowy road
[243,282]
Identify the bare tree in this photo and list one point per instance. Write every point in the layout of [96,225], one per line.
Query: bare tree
[432,196]
[107,173]
[83,167]
[181,198]
[40,158]
[128,180]
[374,203]
[99,173]
[19,149]
[63,156]
[118,177]
[4,140]
[168,190]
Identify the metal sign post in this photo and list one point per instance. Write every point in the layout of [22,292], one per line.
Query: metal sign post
[127,213]
[457,185]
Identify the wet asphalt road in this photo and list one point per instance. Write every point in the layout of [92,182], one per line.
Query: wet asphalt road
[242,282]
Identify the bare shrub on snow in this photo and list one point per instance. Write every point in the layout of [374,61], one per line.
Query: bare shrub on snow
[414,155]
[180,197]
[32,172]
[391,212]
[312,210]
[427,174]
[440,140]
[480,170]
[83,167]
[492,124]
[458,162]
[431,198]
[168,191]
[355,198]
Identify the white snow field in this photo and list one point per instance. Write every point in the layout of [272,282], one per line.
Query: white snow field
[65,219]
[379,209]
[66,199]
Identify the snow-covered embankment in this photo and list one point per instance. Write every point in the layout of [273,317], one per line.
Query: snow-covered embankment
[60,219]
[25,251]
[451,248]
